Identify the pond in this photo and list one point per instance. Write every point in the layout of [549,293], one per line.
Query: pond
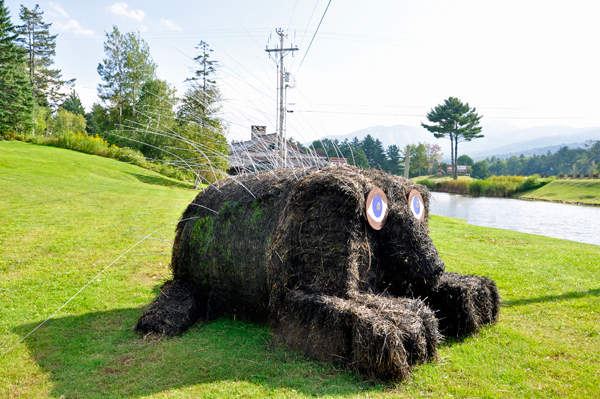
[569,222]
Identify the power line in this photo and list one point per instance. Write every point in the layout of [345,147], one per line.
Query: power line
[423,115]
[313,38]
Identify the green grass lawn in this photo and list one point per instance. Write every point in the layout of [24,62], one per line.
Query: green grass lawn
[569,190]
[65,216]
[439,178]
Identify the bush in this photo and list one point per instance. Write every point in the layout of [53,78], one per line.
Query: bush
[430,184]
[533,182]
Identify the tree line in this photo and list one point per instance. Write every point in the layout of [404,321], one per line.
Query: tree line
[579,161]
[136,108]
[370,153]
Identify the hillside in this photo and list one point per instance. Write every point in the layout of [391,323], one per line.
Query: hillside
[67,216]
[584,191]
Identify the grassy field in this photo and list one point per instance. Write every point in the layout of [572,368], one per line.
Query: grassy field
[568,190]
[439,178]
[66,216]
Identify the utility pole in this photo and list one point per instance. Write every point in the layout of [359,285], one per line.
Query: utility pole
[407,161]
[281,88]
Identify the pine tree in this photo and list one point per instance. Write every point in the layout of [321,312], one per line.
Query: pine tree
[16,102]
[394,158]
[454,120]
[199,113]
[73,104]
[41,48]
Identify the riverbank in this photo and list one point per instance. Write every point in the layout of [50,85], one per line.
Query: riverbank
[569,191]
[533,188]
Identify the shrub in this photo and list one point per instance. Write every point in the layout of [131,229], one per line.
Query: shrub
[430,184]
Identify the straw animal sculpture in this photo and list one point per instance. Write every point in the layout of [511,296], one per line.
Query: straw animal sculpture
[298,249]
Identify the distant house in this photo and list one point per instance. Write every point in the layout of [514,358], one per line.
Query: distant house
[261,152]
[338,161]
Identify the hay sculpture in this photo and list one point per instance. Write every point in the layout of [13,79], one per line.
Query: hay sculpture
[294,248]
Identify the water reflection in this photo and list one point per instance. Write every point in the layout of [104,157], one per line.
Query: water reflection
[569,222]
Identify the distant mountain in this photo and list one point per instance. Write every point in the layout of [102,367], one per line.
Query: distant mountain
[535,140]
[500,138]
[531,152]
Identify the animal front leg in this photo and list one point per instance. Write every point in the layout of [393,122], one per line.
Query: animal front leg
[463,303]
[381,336]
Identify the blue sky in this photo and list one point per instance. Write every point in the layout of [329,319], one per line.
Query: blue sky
[527,63]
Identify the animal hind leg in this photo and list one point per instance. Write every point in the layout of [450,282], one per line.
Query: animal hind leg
[174,311]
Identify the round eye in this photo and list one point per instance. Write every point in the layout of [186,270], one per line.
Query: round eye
[377,208]
[416,205]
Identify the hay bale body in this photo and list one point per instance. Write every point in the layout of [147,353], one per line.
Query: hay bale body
[293,248]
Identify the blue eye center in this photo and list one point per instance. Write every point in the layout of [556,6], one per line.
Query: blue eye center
[377,206]
[416,205]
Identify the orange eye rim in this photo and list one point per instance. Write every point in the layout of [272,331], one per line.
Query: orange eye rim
[377,196]
[419,213]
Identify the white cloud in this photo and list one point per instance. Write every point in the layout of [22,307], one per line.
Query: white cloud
[124,10]
[56,7]
[170,24]
[73,26]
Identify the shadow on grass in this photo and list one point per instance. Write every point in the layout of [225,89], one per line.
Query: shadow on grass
[552,298]
[97,355]
[161,181]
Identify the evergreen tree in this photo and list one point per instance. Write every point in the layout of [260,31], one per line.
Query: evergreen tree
[480,170]
[454,120]
[354,154]
[394,160]
[16,101]
[203,76]
[41,48]
[97,120]
[73,104]
[200,122]
[374,152]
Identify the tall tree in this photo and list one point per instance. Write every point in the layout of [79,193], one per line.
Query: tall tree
[465,160]
[374,151]
[73,104]
[156,120]
[139,66]
[41,49]
[434,156]
[16,101]
[454,120]
[418,159]
[394,160]
[200,120]
[203,76]
[112,71]
[127,67]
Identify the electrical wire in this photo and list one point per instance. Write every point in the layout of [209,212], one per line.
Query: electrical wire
[313,38]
